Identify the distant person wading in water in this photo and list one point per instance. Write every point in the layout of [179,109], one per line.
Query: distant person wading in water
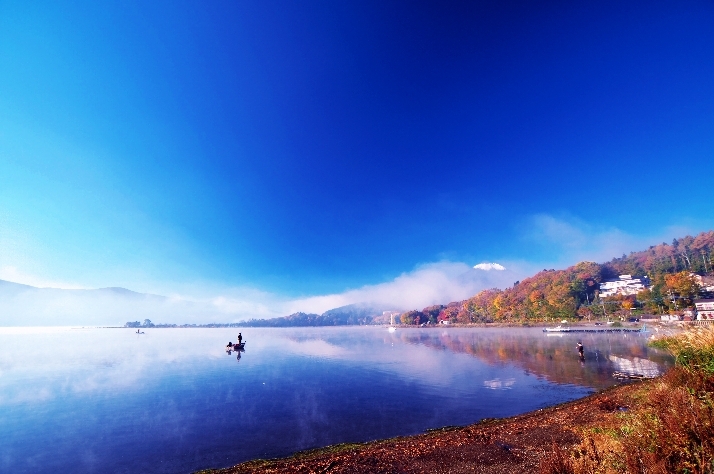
[581,350]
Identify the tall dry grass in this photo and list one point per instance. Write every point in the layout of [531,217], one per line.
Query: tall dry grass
[693,349]
[669,427]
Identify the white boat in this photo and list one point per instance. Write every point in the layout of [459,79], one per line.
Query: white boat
[392,327]
[558,328]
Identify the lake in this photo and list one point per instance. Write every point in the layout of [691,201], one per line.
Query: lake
[173,400]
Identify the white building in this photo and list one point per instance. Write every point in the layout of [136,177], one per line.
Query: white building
[705,308]
[625,285]
[705,283]
[670,317]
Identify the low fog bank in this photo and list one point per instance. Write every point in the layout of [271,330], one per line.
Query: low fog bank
[442,282]
[24,305]
[434,283]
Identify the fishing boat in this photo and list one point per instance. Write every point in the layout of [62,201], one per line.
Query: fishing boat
[236,347]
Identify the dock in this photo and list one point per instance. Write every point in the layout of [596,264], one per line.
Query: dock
[593,330]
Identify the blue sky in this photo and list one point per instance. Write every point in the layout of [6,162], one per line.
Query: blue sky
[311,148]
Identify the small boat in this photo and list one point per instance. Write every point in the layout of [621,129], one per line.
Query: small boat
[236,347]
[392,327]
[558,328]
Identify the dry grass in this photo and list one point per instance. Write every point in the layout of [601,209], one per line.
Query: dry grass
[556,462]
[668,428]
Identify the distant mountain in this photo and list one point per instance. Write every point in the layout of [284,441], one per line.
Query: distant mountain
[25,305]
[358,313]
[353,314]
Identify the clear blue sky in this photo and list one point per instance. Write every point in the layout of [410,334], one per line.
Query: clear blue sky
[304,148]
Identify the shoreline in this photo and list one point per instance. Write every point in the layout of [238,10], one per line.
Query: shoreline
[501,445]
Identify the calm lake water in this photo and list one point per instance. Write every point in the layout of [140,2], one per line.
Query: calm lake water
[173,401]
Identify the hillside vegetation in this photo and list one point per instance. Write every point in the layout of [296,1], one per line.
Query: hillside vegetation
[354,314]
[573,292]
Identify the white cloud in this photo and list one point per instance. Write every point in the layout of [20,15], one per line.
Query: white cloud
[489,266]
[428,284]
[570,240]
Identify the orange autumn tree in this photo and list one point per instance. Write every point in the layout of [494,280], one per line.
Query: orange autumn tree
[482,305]
[684,285]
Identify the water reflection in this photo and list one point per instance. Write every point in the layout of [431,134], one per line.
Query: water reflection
[168,397]
[498,384]
[635,366]
[554,358]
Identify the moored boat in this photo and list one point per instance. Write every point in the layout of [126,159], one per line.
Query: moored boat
[558,328]
[392,327]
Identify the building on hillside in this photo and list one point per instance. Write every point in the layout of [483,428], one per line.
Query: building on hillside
[706,283]
[624,285]
[670,317]
[705,308]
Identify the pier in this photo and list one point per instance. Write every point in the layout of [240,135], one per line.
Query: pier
[593,330]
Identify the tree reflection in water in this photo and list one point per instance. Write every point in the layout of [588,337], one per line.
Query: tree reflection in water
[553,358]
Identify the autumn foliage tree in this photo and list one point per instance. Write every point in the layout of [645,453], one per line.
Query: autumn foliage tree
[585,312]
[449,314]
[431,313]
[410,317]
[684,285]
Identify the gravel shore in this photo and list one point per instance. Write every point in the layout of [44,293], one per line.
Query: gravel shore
[508,445]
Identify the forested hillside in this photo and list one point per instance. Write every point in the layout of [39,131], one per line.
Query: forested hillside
[573,293]
[354,314]
[689,253]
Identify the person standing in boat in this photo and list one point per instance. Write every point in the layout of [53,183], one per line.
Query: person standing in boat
[240,338]
[581,350]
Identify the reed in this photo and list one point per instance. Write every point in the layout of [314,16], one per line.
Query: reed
[693,349]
